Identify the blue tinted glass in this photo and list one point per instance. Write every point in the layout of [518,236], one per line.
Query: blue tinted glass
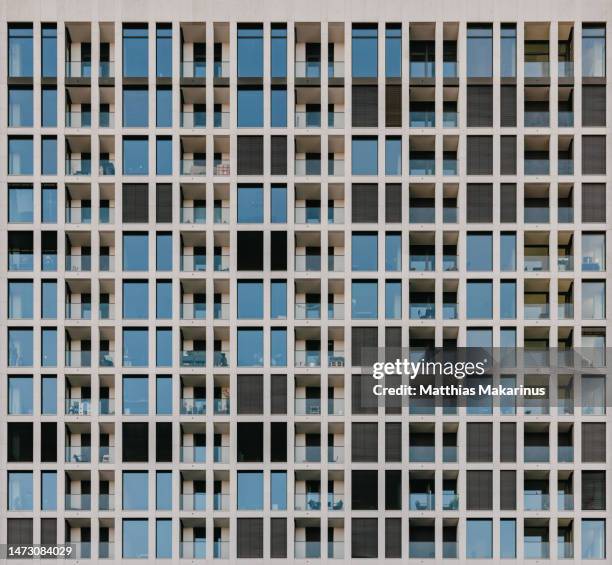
[479,337]
[479,300]
[163,347]
[507,539]
[393,300]
[365,52]
[49,107]
[135,51]
[163,394]
[250,204]
[163,108]
[135,348]
[135,252]
[507,303]
[20,156]
[49,348]
[20,347]
[164,156]
[479,539]
[20,107]
[20,490]
[507,255]
[393,252]
[163,539]
[49,490]
[49,156]
[250,348]
[480,51]
[508,50]
[278,204]
[163,490]
[135,300]
[135,156]
[364,252]
[164,251]
[593,539]
[49,204]
[135,539]
[49,300]
[364,300]
[21,204]
[49,395]
[278,49]
[20,395]
[393,156]
[20,51]
[479,252]
[393,52]
[135,394]
[250,107]
[250,300]
[20,299]
[365,155]
[278,347]
[250,490]
[593,50]
[164,51]
[278,490]
[250,51]
[135,107]
[163,300]
[278,300]
[278,108]
[49,51]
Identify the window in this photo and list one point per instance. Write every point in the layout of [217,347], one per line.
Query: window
[163,107]
[20,51]
[49,107]
[49,155]
[163,251]
[49,51]
[278,204]
[163,347]
[164,50]
[135,395]
[20,110]
[278,300]
[49,347]
[479,300]
[20,299]
[364,300]
[163,490]
[479,539]
[593,50]
[20,204]
[365,155]
[278,490]
[393,300]
[278,107]
[135,490]
[49,204]
[250,490]
[593,539]
[250,107]
[593,300]
[49,300]
[49,395]
[163,539]
[593,251]
[20,490]
[135,539]
[135,300]
[135,156]
[479,251]
[135,347]
[135,50]
[393,51]
[163,393]
[250,204]
[507,252]
[507,539]
[507,302]
[508,50]
[479,50]
[250,51]
[135,107]
[365,51]
[393,252]
[163,300]
[278,347]
[250,300]
[163,157]
[250,347]
[20,156]
[20,395]
[365,251]
[135,252]
[479,337]
[393,156]
[48,500]
[20,347]
[593,394]
[278,51]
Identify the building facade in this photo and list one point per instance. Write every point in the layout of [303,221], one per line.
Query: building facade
[210,209]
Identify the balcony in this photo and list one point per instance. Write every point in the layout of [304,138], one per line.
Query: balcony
[307,550]
[221,501]
[450,69]
[80,454]
[450,501]
[307,69]
[422,262]
[107,167]
[335,406]
[536,501]
[537,311]
[565,69]
[335,69]
[307,263]
[307,454]
[193,263]
[78,311]
[107,263]
[305,167]
[308,501]
[335,454]
[221,120]
[221,69]
[422,166]
[105,454]
[193,69]
[307,215]
[422,501]
[193,214]
[335,502]
[450,262]
[106,501]
[422,311]
[78,167]
[221,311]
[449,453]
[335,215]
[450,166]
[422,119]
[335,359]
[193,454]
[78,359]
[565,311]
[221,215]
[76,119]
[536,166]
[308,406]
[81,549]
[221,167]
[335,120]
[221,549]
[106,119]
[193,167]
[78,69]
[565,453]
[78,406]
[335,550]
[536,263]
[221,262]
[450,310]
[537,69]
[566,166]
[107,69]
[421,549]
[220,358]
[336,168]
[307,311]
[222,406]
[536,118]
[422,69]
[565,263]
[565,501]
[565,118]
[191,311]
[193,358]
[77,502]
[193,549]
[536,453]
[335,263]
[421,453]
[106,406]
[193,120]
[107,358]
[193,406]
[78,263]
[305,358]
[536,214]
[335,311]
[535,549]
[310,119]
[193,502]
[221,453]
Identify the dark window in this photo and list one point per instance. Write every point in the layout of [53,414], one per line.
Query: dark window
[393,105]
[364,539]
[479,442]
[507,442]
[364,490]
[48,442]
[393,442]
[278,538]
[48,531]
[364,342]
[250,538]
[393,538]
[393,489]
[593,202]
[365,106]
[163,204]
[507,490]
[250,154]
[594,154]
[507,106]
[593,105]
[363,400]
[507,155]
[250,394]
[163,442]
[393,203]
[479,203]
[364,203]
[20,442]
[135,202]
[480,155]
[278,251]
[250,442]
[479,490]
[278,394]
[250,250]
[479,106]
[278,155]
[593,490]
[135,442]
[364,442]
[278,442]
[593,442]
[507,203]
[19,531]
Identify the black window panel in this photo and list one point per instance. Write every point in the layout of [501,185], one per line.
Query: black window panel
[163,204]
[479,155]
[363,400]
[507,155]
[250,538]
[20,442]
[507,442]
[393,442]
[507,202]
[48,531]
[393,105]
[278,442]
[250,154]
[48,442]
[479,490]
[508,106]
[364,538]
[593,442]
[364,438]
[135,442]
[250,250]
[365,106]
[135,202]
[278,155]
[364,490]
[593,490]
[278,250]
[479,442]
[593,154]
[163,442]
[19,531]
[507,490]
[278,394]
[250,442]
[479,202]
[364,203]
[393,203]
[479,106]
[250,394]
[393,538]
[593,105]
[278,538]
[593,202]
[393,489]
[364,342]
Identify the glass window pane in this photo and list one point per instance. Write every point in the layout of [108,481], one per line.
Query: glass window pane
[393,252]
[49,395]
[278,108]
[135,539]
[250,348]
[365,52]
[393,156]
[164,51]
[20,107]
[20,347]
[278,49]
[593,300]
[163,539]
[508,50]
[250,490]
[20,297]
[135,156]
[49,155]
[479,539]
[49,51]
[250,300]
[507,537]
[135,51]
[393,300]
[593,50]
[21,156]
[49,107]
[278,300]
[365,155]
[479,252]
[250,107]
[163,249]
[593,539]
[48,482]
[135,395]
[49,347]
[163,347]
[135,252]
[163,490]
[278,204]
[364,300]
[20,395]
[479,51]
[479,300]
[163,300]
[163,394]
[250,204]
[20,51]
[135,107]
[507,307]
[163,157]
[278,490]
[278,347]
[393,51]
[49,300]
[135,348]
[49,204]
[365,252]
[21,204]
[163,108]
[20,491]
[250,51]
[507,252]
[135,300]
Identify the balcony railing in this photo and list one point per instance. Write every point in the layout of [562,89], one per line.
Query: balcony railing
[106,119]
[565,263]
[421,453]
[335,263]
[536,549]
[335,406]
[307,550]
[307,215]
[193,120]
[536,501]
[450,310]
[78,215]
[78,263]
[565,311]
[78,502]
[193,454]
[221,69]
[221,453]
[335,311]
[566,166]
[335,358]
[422,549]
[565,69]
[422,311]
[221,263]
[537,69]
[335,215]
[422,119]
[193,358]
[307,358]
[193,406]
[336,168]
[422,167]
[450,262]
[422,501]
[190,311]
[422,262]
[105,454]
[335,502]
[221,215]
[221,120]
[307,454]
[79,167]
[536,453]
[192,549]
[222,406]
[536,119]
[308,406]
[335,454]
[75,119]
[81,549]
[221,501]
[565,119]
[335,120]
[536,166]
[107,167]
[307,311]
[335,69]
[193,167]
[307,69]
[193,69]
[78,406]
[191,263]
[107,358]
[307,263]
[307,501]
[221,311]
[450,501]
[305,167]
[565,500]
[422,69]
[106,550]
[537,311]
[537,262]
[193,214]
[536,214]
[77,359]
[80,311]
[79,454]
[221,358]
[78,69]
[107,263]
[106,406]
[193,502]
[107,69]
[309,119]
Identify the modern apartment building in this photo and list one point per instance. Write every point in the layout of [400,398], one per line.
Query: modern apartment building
[209,209]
